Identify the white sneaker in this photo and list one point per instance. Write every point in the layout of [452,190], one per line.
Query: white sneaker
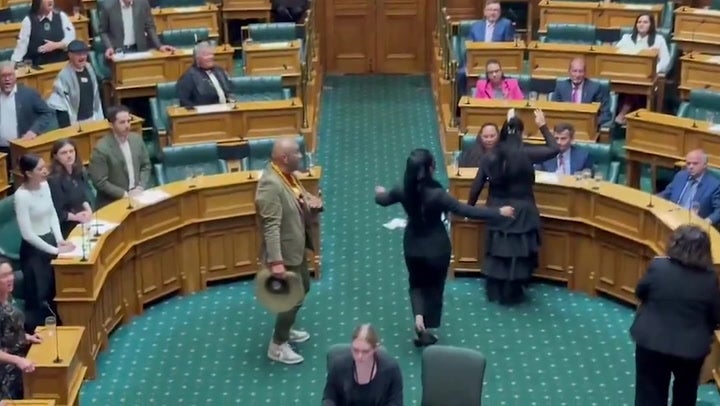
[299,336]
[284,353]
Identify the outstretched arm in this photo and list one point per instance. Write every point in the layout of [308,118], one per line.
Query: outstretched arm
[541,153]
[451,204]
[387,198]
[477,186]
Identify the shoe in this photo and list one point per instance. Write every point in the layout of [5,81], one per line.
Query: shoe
[299,336]
[425,339]
[284,353]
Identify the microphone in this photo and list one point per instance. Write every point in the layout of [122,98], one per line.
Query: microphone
[692,35]
[129,199]
[57,342]
[82,243]
[96,226]
[650,204]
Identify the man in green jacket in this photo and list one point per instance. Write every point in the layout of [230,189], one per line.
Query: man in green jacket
[119,164]
[286,211]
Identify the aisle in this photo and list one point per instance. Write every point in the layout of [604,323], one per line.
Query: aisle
[560,349]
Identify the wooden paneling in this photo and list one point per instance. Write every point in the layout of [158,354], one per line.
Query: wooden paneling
[400,36]
[350,36]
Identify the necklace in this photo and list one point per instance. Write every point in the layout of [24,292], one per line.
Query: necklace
[373,370]
[289,180]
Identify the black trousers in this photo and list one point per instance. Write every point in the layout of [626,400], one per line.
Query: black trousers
[426,277]
[652,378]
[290,14]
[63,118]
[38,283]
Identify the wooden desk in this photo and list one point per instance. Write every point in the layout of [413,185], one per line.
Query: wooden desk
[699,71]
[697,29]
[244,10]
[600,14]
[176,18]
[4,181]
[208,233]
[662,140]
[59,381]
[511,56]
[9,32]
[42,80]
[84,135]
[137,77]
[28,402]
[628,73]
[281,58]
[239,121]
[476,112]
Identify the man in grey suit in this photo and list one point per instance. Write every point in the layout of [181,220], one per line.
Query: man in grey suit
[285,210]
[119,164]
[23,113]
[128,25]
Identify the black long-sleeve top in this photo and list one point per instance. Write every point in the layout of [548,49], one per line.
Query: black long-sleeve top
[69,195]
[385,389]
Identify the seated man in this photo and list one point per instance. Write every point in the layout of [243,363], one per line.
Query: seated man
[204,82]
[23,113]
[570,160]
[128,25]
[695,189]
[579,89]
[119,164]
[493,28]
[76,92]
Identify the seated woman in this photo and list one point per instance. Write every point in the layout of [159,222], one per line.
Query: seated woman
[69,186]
[485,140]
[41,242]
[496,85]
[363,376]
[14,342]
[644,36]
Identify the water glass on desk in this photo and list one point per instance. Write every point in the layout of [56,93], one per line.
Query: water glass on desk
[50,326]
[710,118]
[310,162]
[586,175]
[190,177]
[598,180]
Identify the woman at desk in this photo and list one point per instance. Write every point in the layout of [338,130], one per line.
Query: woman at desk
[41,239]
[496,85]
[69,186]
[484,142]
[673,328]
[44,35]
[644,36]
[14,341]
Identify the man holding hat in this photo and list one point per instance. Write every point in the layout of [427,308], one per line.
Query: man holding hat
[76,94]
[285,210]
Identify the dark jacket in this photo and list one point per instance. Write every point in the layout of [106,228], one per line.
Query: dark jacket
[33,114]
[195,88]
[385,389]
[679,309]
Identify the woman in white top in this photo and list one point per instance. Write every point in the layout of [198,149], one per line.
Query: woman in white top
[644,36]
[41,239]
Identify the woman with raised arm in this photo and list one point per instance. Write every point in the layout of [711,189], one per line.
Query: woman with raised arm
[426,243]
[512,245]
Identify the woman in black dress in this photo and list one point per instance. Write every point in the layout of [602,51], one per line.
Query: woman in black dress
[426,243]
[69,186]
[512,245]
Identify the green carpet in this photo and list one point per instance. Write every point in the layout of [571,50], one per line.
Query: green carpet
[561,348]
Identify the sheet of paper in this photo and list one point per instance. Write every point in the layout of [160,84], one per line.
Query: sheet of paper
[395,223]
[194,9]
[98,226]
[639,6]
[81,247]
[213,108]
[714,59]
[715,128]
[132,56]
[546,177]
[274,45]
[151,196]
[629,51]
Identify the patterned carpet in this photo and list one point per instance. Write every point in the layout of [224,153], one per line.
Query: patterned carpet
[561,348]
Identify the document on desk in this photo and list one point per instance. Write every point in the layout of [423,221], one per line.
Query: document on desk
[151,196]
[193,9]
[213,108]
[639,6]
[715,128]
[546,177]
[132,56]
[714,59]
[629,51]
[275,45]
[83,248]
[98,226]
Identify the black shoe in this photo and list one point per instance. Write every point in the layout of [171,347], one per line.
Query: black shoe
[425,339]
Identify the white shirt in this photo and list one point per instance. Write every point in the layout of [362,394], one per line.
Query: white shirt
[489,31]
[218,88]
[24,36]
[663,59]
[36,216]
[8,118]
[125,149]
[128,25]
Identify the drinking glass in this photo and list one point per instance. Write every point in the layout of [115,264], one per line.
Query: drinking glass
[27,63]
[598,180]
[578,176]
[586,174]
[710,118]
[199,175]
[50,325]
[455,158]
[190,177]
[533,96]
[310,161]
[695,207]
[518,39]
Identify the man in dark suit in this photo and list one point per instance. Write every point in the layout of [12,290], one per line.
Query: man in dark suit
[204,82]
[695,189]
[493,28]
[23,113]
[570,160]
[116,15]
[119,164]
[579,89]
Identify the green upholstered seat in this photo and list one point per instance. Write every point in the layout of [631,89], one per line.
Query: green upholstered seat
[452,376]
[601,155]
[699,104]
[571,34]
[260,150]
[257,88]
[98,61]
[18,12]
[715,5]
[273,32]
[9,231]
[165,96]
[181,3]
[6,53]
[612,99]
[179,160]
[457,41]
[184,38]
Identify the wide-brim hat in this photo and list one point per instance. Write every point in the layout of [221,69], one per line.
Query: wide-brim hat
[278,295]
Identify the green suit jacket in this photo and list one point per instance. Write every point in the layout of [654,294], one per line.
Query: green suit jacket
[108,170]
[284,221]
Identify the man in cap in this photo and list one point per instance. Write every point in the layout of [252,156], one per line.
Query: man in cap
[76,93]
[285,210]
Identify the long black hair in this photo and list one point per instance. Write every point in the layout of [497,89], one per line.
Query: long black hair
[418,177]
[501,160]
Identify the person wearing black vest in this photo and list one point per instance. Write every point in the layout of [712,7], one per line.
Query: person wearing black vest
[204,82]
[44,34]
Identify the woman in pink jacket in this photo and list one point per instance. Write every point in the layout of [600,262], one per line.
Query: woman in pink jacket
[496,85]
